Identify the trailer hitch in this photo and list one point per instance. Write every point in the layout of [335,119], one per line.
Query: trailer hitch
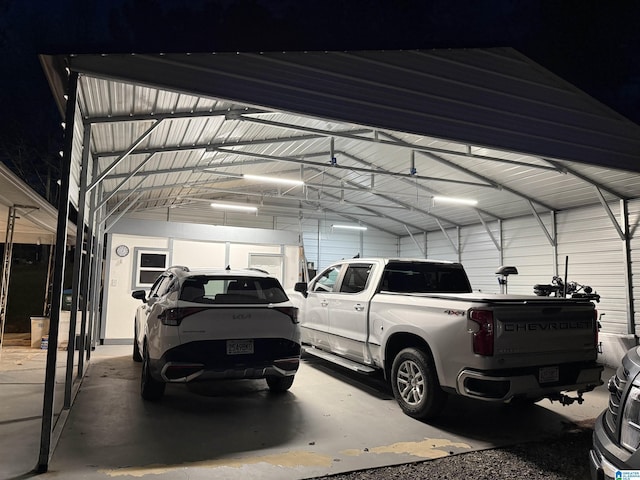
[566,399]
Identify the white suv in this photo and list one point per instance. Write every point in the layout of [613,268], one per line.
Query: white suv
[215,324]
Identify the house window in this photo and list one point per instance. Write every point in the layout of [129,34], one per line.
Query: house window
[149,266]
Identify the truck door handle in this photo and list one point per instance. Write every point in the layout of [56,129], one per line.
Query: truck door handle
[324,303]
[358,307]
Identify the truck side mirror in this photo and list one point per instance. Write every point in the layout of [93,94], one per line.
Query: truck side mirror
[302,288]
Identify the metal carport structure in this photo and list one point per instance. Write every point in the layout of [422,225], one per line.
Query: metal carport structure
[30,219]
[375,136]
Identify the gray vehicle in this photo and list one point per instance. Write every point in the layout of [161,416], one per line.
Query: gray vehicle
[616,435]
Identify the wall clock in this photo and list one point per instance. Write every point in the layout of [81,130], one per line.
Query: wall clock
[122,250]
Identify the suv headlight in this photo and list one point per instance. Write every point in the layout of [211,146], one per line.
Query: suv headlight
[630,428]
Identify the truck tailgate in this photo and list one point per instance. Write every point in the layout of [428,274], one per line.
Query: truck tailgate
[556,329]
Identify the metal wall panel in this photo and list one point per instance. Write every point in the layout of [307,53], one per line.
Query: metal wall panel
[595,253]
[440,248]
[76,159]
[379,244]
[480,258]
[634,222]
[408,247]
[526,247]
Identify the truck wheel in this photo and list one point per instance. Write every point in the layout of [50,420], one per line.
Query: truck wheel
[137,357]
[279,384]
[415,384]
[150,389]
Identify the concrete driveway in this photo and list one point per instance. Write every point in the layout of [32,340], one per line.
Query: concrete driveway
[331,421]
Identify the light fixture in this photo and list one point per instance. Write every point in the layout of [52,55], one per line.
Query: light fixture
[238,208]
[286,181]
[349,227]
[457,201]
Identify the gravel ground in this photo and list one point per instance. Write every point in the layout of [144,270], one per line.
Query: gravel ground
[565,457]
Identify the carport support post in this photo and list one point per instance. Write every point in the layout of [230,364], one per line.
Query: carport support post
[58,278]
[79,260]
[628,276]
[86,281]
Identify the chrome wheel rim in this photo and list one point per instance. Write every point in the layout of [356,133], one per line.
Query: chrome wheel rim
[411,382]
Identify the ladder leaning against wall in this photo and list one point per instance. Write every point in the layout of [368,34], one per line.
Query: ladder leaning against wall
[6,271]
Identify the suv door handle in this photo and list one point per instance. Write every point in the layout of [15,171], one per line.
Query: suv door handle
[358,307]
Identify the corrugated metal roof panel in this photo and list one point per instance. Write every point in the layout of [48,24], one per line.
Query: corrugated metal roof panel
[488,125]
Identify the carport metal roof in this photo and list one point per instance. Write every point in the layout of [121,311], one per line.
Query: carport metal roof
[374,135]
[36,219]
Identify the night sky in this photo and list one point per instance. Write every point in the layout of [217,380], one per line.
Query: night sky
[594,45]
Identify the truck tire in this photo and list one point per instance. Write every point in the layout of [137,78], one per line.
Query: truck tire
[150,388]
[415,384]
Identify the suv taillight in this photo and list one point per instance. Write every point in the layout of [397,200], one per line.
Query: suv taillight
[174,316]
[483,337]
[291,312]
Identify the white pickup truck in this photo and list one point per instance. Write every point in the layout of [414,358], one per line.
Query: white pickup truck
[419,323]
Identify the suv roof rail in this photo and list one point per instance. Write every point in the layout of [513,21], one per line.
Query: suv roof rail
[181,267]
[258,270]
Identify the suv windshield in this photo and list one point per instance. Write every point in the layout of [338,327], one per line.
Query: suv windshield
[230,289]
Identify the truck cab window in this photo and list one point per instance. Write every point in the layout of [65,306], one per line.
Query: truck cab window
[327,280]
[355,278]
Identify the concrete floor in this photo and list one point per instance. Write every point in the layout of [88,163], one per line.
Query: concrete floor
[331,421]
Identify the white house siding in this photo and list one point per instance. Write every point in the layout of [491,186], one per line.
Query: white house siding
[195,246]
[199,254]
[118,305]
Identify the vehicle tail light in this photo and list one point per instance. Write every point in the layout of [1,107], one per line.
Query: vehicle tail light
[291,312]
[483,337]
[596,328]
[174,316]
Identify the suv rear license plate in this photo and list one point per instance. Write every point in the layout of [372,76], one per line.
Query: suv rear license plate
[239,347]
[549,374]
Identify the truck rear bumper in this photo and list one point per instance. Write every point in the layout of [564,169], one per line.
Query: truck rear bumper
[503,386]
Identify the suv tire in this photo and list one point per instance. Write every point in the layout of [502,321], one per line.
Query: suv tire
[279,384]
[137,357]
[150,389]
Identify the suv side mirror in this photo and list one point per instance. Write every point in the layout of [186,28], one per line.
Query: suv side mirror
[139,295]
[302,288]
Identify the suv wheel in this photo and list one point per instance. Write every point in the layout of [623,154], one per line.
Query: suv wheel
[279,384]
[415,384]
[150,389]
[137,357]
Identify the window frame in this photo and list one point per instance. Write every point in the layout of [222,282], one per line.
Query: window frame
[138,268]
[340,268]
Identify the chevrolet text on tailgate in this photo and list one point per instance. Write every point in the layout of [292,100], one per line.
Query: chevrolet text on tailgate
[419,323]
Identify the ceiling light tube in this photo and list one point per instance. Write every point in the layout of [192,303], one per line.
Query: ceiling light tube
[286,181]
[458,201]
[349,227]
[239,208]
